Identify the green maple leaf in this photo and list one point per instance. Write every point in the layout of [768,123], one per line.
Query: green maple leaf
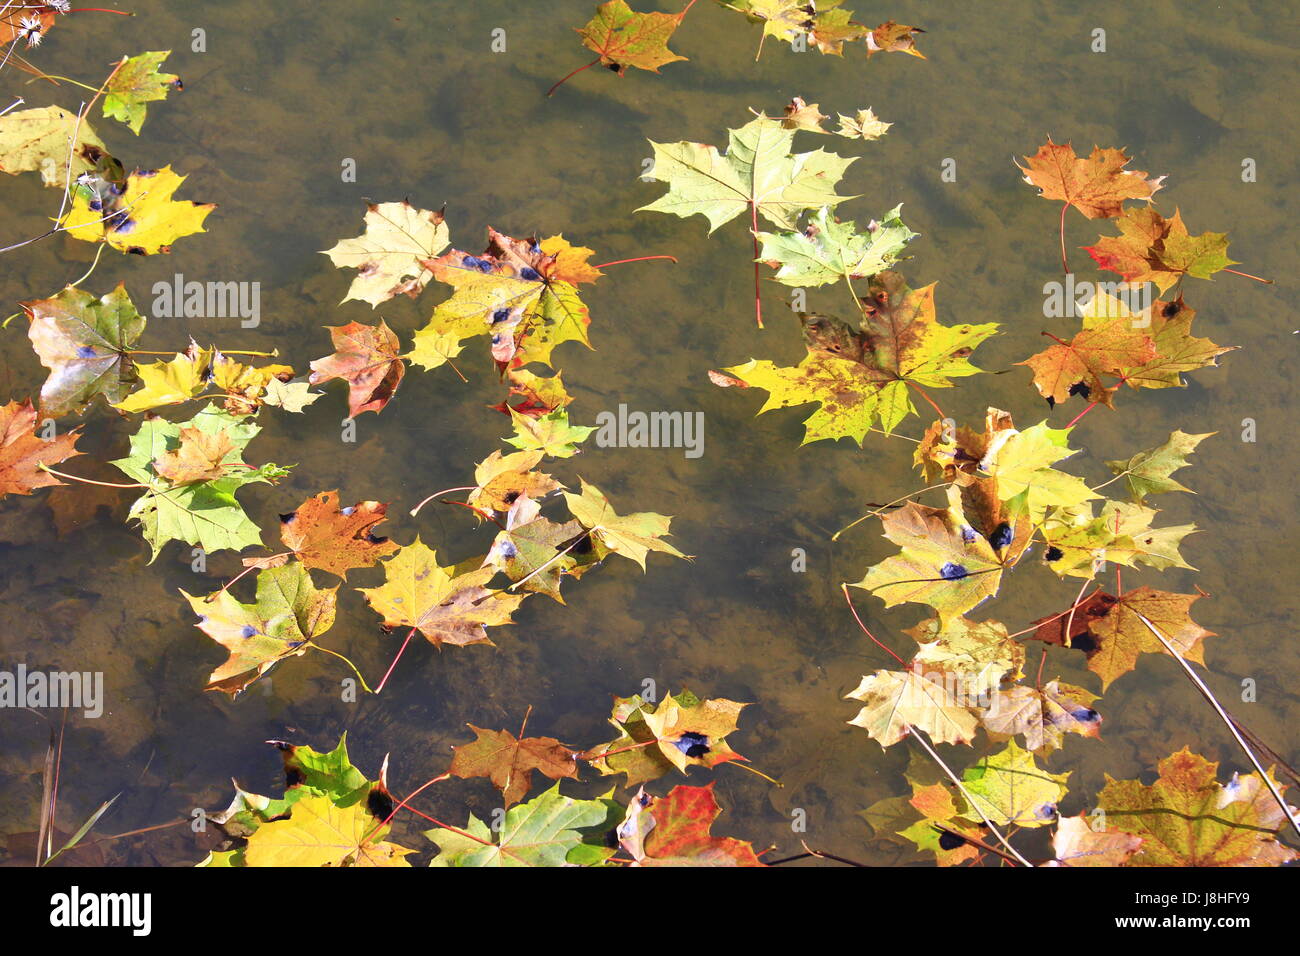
[289,614]
[536,550]
[541,832]
[1021,462]
[1147,472]
[550,434]
[204,513]
[85,342]
[758,172]
[137,82]
[633,535]
[1121,533]
[862,376]
[1011,789]
[828,250]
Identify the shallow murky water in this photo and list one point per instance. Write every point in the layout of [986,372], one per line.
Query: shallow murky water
[412,93]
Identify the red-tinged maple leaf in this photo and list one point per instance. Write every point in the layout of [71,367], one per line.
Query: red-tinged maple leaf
[1114,631]
[674,831]
[366,358]
[1187,818]
[22,451]
[509,761]
[626,38]
[1096,186]
[333,539]
[540,395]
[1076,367]
[1151,248]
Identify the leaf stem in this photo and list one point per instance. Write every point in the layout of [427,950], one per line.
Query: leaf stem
[619,262]
[416,509]
[346,660]
[872,514]
[568,76]
[753,219]
[400,651]
[88,481]
[1065,265]
[849,600]
[1247,275]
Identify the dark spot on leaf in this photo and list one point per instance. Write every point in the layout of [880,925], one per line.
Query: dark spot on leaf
[1084,642]
[1080,388]
[247,631]
[949,840]
[692,744]
[1171,309]
[1001,536]
[285,519]
[85,351]
[292,777]
[953,572]
[380,804]
[1054,553]
[529,274]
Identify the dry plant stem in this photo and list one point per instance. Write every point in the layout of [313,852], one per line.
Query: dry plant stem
[969,799]
[1247,275]
[1227,720]
[1065,265]
[400,651]
[758,300]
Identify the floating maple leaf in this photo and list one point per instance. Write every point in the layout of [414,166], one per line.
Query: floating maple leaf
[865,125]
[633,535]
[522,293]
[828,250]
[144,219]
[1080,542]
[541,395]
[135,83]
[320,832]
[891,37]
[626,38]
[1147,472]
[1043,715]
[548,830]
[86,344]
[1187,818]
[895,701]
[323,535]
[205,512]
[389,256]
[1107,348]
[509,761]
[446,608]
[861,376]
[1114,631]
[674,830]
[1077,842]
[944,562]
[500,480]
[1096,186]
[23,452]
[679,732]
[290,613]
[1151,248]
[1012,790]
[50,140]
[365,356]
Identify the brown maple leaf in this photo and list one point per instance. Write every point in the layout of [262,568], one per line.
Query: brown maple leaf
[509,761]
[331,538]
[366,358]
[22,451]
[1096,186]
[198,458]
